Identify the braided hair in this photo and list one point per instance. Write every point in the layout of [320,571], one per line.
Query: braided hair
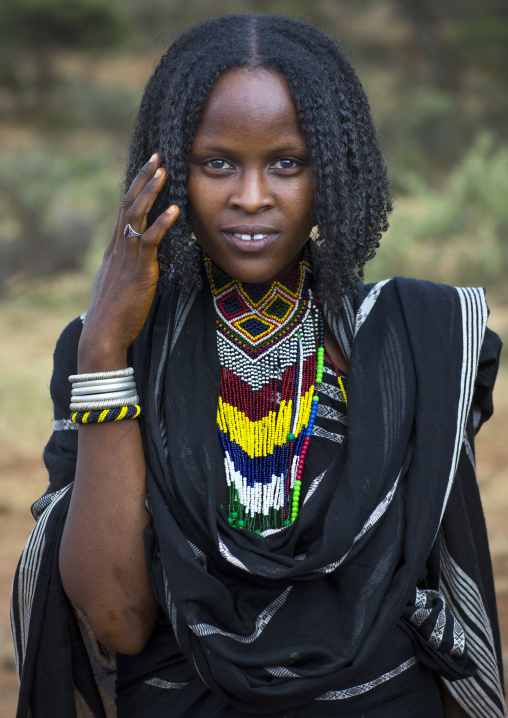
[351,196]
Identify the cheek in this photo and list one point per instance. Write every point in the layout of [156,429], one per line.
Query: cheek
[299,198]
[201,204]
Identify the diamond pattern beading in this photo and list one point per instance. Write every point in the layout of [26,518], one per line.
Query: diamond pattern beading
[255,328]
[232,305]
[278,309]
[254,318]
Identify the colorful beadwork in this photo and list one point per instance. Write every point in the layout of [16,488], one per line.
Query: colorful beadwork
[99,417]
[266,338]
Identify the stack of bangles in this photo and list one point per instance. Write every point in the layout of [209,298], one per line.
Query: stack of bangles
[104,396]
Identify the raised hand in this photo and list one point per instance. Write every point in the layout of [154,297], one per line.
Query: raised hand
[126,281]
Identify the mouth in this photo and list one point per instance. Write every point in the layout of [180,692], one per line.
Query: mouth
[251,238]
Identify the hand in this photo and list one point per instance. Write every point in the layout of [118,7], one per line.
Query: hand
[126,281]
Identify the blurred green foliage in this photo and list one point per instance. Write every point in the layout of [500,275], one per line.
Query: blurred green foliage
[436,71]
[33,31]
[62,23]
[457,232]
[51,207]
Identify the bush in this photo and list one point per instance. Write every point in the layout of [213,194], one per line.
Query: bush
[458,234]
[51,209]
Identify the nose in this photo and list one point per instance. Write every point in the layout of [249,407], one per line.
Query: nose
[252,191]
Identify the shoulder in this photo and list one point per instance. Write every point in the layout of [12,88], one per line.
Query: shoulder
[65,358]
[419,292]
[69,337]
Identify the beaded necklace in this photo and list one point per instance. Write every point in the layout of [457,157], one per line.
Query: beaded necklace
[266,339]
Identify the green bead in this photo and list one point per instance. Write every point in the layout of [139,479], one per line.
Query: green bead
[290,436]
[230,519]
[257,531]
[234,514]
[299,335]
[240,523]
[286,522]
[315,398]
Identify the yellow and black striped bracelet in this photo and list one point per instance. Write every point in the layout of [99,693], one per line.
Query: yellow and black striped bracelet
[98,417]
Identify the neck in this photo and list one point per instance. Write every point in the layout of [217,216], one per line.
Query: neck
[255,315]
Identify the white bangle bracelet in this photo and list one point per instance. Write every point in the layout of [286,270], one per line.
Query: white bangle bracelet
[104,397]
[103,382]
[118,387]
[116,374]
[106,404]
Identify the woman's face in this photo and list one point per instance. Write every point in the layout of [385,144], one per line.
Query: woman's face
[250,181]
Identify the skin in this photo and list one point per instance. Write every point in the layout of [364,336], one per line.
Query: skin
[265,183]
[249,170]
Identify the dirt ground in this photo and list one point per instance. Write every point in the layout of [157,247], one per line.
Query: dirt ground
[22,477]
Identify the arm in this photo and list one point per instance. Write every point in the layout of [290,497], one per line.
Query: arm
[102,554]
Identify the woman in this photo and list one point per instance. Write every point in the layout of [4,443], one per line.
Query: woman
[292,527]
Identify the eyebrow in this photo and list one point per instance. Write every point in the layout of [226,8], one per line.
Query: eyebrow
[225,150]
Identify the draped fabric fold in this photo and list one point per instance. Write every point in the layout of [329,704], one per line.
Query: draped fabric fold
[276,620]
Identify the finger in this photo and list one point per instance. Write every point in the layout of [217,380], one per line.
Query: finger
[154,234]
[143,177]
[140,181]
[137,213]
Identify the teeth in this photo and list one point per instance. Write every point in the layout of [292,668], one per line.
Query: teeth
[248,237]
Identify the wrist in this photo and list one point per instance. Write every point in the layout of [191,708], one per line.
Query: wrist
[98,358]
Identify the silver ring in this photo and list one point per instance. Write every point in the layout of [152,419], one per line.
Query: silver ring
[129,232]
[84,390]
[115,374]
[108,395]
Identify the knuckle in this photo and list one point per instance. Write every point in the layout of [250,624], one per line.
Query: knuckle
[125,203]
[162,221]
[147,240]
[130,215]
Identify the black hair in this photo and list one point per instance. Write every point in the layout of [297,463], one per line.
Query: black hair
[352,198]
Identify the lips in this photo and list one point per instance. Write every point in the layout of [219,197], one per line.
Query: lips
[247,241]
[250,237]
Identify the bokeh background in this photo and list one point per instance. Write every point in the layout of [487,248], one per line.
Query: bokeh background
[71,75]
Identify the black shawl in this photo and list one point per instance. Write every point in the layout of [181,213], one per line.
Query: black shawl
[396,538]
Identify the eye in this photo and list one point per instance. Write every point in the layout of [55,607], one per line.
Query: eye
[285,163]
[218,164]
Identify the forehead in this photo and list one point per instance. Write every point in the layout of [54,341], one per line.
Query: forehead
[253,105]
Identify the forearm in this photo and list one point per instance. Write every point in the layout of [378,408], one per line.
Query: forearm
[102,555]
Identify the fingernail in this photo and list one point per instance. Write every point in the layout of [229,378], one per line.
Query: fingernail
[171,210]
[153,157]
[158,173]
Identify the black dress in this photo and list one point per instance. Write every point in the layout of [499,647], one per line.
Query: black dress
[399,680]
[160,681]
